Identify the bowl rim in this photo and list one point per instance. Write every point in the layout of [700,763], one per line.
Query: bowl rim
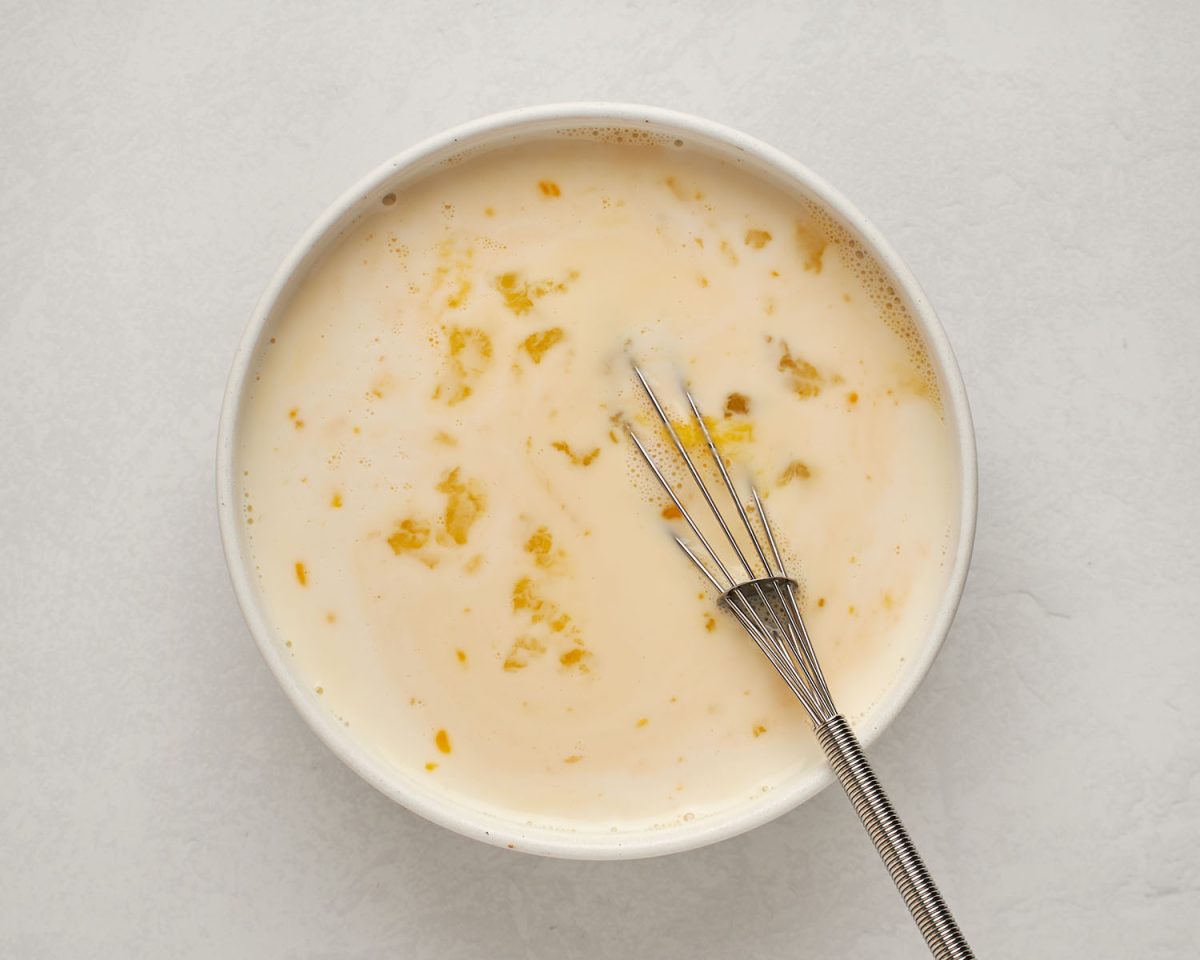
[461,817]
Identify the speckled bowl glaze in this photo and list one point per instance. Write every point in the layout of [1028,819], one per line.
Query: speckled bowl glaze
[497,131]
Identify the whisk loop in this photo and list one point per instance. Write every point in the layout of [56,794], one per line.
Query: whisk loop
[755,587]
[764,600]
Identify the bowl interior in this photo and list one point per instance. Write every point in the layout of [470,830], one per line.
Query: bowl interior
[453,147]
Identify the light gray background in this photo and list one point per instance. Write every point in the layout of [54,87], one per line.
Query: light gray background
[1036,163]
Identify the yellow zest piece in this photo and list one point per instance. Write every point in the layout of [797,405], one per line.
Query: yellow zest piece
[573,656]
[336,501]
[757,238]
[759,730]
[469,353]
[723,432]
[549,188]
[737,403]
[560,622]
[465,502]
[522,651]
[301,574]
[796,470]
[519,294]
[410,534]
[442,741]
[536,344]
[459,297]
[541,546]
[516,293]
[804,378]
[812,247]
[682,192]
[579,460]
[468,340]
[524,597]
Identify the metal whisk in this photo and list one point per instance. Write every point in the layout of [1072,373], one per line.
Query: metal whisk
[764,602]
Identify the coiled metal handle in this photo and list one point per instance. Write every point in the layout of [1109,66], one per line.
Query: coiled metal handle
[930,912]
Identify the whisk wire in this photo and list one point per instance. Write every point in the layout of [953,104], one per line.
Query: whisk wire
[791,628]
[700,484]
[767,642]
[733,495]
[805,655]
[666,485]
[785,635]
[783,639]
[762,516]
[775,652]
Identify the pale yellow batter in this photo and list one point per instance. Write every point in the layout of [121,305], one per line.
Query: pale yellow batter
[457,542]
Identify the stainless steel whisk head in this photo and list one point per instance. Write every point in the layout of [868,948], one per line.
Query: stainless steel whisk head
[764,601]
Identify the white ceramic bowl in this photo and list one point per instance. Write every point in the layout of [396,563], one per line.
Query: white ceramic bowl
[496,131]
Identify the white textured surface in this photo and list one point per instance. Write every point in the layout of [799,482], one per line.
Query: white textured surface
[1036,163]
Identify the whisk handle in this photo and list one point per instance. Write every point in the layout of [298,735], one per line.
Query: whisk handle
[925,903]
